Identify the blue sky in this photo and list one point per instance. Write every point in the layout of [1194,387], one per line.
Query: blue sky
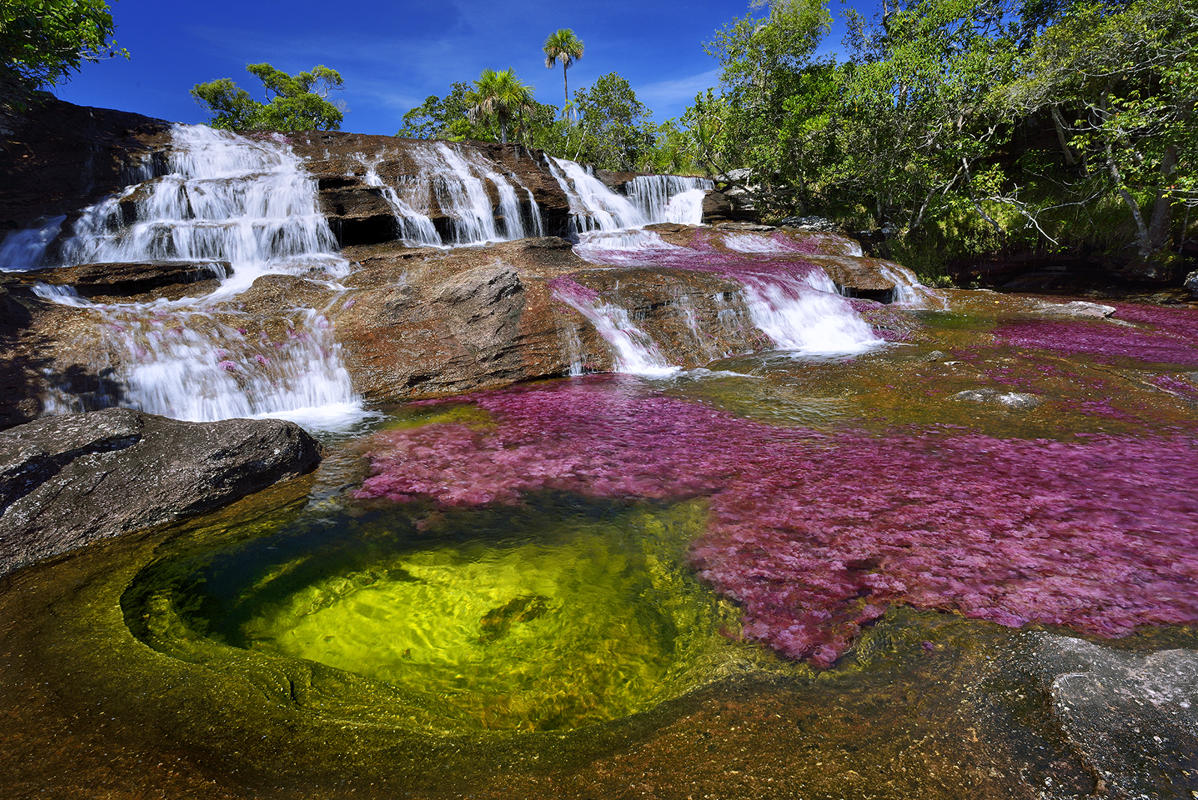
[394,53]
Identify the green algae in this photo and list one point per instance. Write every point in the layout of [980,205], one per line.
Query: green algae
[503,619]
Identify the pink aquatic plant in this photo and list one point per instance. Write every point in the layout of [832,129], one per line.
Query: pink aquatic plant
[1160,335]
[816,534]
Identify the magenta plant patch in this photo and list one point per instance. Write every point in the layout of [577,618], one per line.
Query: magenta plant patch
[1160,335]
[816,534]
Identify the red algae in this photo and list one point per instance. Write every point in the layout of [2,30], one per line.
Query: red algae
[1159,335]
[815,535]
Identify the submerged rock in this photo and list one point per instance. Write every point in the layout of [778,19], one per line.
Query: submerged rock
[71,480]
[1009,399]
[1133,718]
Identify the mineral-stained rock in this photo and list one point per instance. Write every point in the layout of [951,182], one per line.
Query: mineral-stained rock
[71,480]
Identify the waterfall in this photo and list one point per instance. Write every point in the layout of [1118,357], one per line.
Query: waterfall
[593,207]
[635,352]
[26,249]
[415,229]
[453,179]
[908,291]
[806,315]
[669,198]
[794,304]
[226,198]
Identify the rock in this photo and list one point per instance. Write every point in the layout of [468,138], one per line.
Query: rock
[1133,718]
[71,480]
[1018,400]
[1077,309]
[64,157]
[817,224]
[1190,284]
[124,280]
[723,206]
[357,213]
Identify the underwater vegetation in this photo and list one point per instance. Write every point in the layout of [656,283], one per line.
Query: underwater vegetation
[815,534]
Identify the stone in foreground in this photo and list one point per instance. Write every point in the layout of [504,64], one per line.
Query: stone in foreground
[68,481]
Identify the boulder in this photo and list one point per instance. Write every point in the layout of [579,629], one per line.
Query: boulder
[71,480]
[1191,284]
[721,206]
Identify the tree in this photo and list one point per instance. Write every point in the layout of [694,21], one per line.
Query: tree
[614,128]
[44,41]
[565,48]
[440,117]
[499,96]
[1120,83]
[296,102]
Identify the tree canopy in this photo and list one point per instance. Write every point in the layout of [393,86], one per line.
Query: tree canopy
[295,102]
[498,96]
[44,41]
[963,127]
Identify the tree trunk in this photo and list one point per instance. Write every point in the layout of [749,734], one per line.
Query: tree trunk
[566,90]
[1160,224]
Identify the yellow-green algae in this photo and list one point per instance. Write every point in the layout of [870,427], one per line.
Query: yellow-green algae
[522,619]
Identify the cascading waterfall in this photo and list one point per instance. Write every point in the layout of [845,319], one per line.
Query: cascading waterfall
[415,229]
[635,351]
[806,315]
[796,306]
[454,179]
[909,292]
[669,198]
[593,207]
[226,198]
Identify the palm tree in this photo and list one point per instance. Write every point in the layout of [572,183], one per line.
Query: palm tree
[564,47]
[498,95]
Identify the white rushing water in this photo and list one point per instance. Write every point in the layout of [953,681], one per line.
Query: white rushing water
[454,179]
[634,350]
[26,249]
[415,229]
[226,198]
[807,316]
[669,198]
[593,206]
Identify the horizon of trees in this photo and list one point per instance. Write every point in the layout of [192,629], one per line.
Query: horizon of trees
[956,128]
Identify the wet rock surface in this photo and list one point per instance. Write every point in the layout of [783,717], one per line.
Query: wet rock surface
[111,281]
[1132,717]
[68,481]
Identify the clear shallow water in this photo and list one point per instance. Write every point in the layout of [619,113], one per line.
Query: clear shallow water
[547,617]
[544,591]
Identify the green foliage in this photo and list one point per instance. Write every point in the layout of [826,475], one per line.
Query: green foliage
[966,126]
[614,129]
[437,117]
[295,102]
[498,98]
[44,41]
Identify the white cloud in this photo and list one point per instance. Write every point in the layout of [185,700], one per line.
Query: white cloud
[677,92]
